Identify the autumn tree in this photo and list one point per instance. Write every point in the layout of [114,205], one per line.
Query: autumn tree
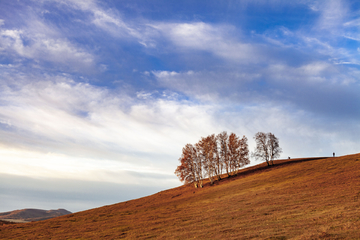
[189,171]
[238,152]
[233,145]
[214,154]
[207,149]
[224,151]
[222,139]
[243,153]
[267,147]
[218,161]
[210,156]
[199,167]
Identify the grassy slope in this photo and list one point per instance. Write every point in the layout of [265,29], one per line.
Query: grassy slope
[300,200]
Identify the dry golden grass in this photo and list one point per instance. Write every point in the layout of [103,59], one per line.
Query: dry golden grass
[316,199]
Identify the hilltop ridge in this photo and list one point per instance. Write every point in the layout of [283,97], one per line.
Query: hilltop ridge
[30,214]
[298,199]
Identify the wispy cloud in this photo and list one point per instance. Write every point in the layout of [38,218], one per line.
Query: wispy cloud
[333,14]
[39,42]
[200,36]
[37,48]
[109,19]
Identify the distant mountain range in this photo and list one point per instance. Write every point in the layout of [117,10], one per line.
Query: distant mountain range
[30,215]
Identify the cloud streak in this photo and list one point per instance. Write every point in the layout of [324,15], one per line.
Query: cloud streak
[205,37]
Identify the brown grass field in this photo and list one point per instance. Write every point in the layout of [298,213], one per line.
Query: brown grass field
[295,199]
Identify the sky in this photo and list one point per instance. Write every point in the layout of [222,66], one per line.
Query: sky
[98,97]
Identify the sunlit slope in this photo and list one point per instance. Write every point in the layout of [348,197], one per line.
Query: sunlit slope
[299,200]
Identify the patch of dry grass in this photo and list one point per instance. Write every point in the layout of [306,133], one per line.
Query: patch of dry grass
[295,199]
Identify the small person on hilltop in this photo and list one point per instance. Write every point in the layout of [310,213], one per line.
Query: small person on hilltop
[333,154]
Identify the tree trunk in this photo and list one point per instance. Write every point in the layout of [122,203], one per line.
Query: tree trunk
[211,180]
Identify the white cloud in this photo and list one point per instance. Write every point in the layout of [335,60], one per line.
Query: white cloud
[320,72]
[315,69]
[40,41]
[112,24]
[353,23]
[144,95]
[41,47]
[313,72]
[109,20]
[333,14]
[208,85]
[206,37]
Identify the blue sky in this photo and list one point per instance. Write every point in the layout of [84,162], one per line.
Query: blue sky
[97,98]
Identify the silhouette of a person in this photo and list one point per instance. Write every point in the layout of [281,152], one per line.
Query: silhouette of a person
[333,154]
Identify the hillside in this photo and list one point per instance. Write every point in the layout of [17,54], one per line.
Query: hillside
[294,199]
[29,215]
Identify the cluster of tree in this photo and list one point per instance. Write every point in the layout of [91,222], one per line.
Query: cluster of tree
[214,155]
[211,157]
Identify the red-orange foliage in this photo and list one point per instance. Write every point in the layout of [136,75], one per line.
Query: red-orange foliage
[210,156]
[239,152]
[189,170]
[207,148]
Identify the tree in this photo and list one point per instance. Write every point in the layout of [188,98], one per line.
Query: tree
[274,147]
[267,147]
[233,145]
[222,139]
[238,152]
[207,149]
[188,171]
[198,167]
[218,160]
[243,152]
[261,150]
